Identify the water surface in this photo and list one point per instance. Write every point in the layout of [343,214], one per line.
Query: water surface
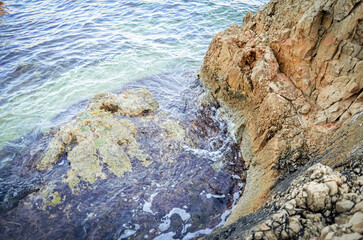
[56,53]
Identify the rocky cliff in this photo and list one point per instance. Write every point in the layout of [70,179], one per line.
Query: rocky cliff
[290,80]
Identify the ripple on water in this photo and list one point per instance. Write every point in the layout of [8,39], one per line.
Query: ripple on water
[58,53]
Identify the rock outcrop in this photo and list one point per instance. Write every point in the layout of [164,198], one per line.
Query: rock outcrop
[289,79]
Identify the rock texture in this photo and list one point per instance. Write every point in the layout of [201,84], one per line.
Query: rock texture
[289,79]
[99,136]
[319,203]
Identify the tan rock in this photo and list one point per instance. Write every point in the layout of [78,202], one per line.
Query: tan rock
[318,196]
[333,186]
[344,206]
[357,222]
[259,235]
[294,224]
[358,207]
[351,236]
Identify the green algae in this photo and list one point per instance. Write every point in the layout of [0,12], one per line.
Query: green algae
[115,158]
[56,149]
[84,163]
[49,198]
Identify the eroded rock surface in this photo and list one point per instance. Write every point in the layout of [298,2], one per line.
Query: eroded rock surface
[289,78]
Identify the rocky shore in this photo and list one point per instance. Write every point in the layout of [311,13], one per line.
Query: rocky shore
[290,80]
[136,164]
[162,164]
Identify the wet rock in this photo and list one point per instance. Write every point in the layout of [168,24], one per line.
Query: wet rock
[135,102]
[15,189]
[106,175]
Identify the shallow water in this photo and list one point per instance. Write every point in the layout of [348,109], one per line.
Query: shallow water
[56,53]
[54,57]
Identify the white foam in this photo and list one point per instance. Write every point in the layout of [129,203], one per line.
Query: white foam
[147,205]
[208,195]
[165,236]
[185,228]
[165,225]
[198,233]
[236,176]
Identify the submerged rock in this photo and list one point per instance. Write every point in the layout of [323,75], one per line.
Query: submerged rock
[135,102]
[100,136]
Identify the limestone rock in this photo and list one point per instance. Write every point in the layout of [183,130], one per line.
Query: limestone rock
[318,196]
[319,216]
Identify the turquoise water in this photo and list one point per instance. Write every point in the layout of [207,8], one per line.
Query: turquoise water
[56,53]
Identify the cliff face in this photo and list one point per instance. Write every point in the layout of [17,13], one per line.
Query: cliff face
[289,79]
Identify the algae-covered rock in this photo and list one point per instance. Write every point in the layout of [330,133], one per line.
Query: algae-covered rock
[85,163]
[131,103]
[48,197]
[115,158]
[99,137]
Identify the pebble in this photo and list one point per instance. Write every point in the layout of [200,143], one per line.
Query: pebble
[258,235]
[357,222]
[306,210]
[333,186]
[344,206]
